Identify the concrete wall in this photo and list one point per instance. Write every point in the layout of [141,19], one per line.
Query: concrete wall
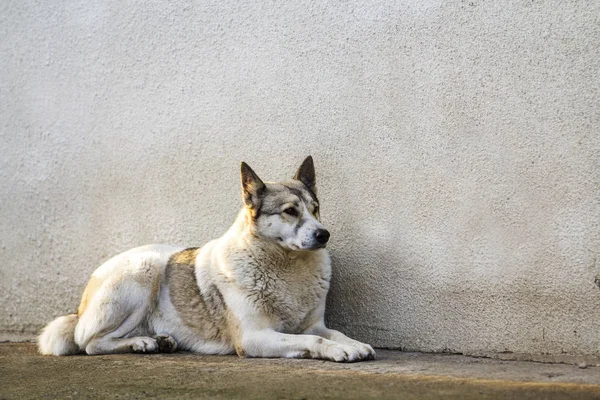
[457,146]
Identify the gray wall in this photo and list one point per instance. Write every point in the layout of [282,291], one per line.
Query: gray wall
[456,143]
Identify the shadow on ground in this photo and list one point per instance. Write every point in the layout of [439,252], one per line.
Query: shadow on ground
[25,374]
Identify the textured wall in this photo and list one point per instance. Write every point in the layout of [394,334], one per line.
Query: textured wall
[456,143]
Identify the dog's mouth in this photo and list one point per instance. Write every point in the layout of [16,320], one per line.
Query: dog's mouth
[314,247]
[303,247]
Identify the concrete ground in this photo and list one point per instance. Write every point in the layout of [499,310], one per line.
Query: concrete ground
[25,374]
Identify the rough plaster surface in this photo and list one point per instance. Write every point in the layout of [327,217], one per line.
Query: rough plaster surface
[456,143]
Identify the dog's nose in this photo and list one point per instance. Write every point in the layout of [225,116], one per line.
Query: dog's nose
[322,235]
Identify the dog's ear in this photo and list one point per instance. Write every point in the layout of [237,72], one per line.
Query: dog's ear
[252,187]
[306,174]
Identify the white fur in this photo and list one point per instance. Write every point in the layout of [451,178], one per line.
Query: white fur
[57,337]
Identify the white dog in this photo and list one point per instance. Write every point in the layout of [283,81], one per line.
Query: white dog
[259,290]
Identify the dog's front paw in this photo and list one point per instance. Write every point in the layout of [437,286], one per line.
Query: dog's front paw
[342,353]
[144,345]
[366,351]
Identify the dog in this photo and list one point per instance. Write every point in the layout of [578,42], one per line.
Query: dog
[258,291]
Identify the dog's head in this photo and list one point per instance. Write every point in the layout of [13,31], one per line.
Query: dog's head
[285,212]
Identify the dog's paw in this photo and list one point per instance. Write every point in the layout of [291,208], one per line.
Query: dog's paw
[343,353]
[144,345]
[166,344]
[366,351]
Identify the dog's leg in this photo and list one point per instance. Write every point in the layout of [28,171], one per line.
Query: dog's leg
[116,341]
[138,344]
[114,320]
[316,326]
[109,345]
[268,343]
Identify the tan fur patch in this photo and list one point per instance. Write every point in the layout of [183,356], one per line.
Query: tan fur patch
[88,293]
[235,333]
[187,256]
[204,311]
[155,288]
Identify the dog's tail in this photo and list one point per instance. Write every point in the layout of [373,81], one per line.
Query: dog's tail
[58,337]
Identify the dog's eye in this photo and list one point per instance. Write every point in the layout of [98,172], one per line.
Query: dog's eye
[291,211]
[316,210]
